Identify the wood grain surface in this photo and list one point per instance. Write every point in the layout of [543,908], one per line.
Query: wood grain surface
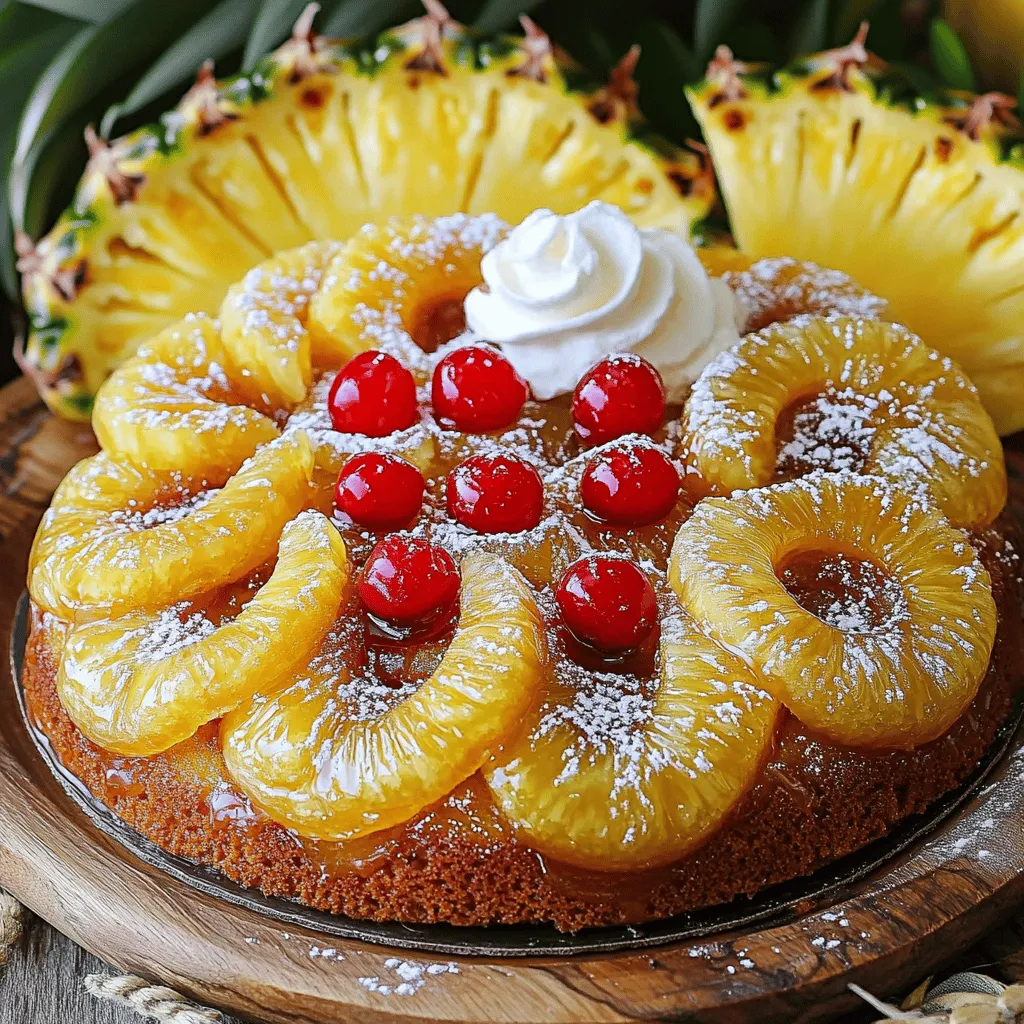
[884,933]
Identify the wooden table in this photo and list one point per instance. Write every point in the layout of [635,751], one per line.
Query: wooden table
[42,983]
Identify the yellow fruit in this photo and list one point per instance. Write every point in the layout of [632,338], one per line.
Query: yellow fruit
[779,289]
[263,323]
[310,758]
[323,137]
[121,538]
[173,407]
[917,198]
[405,279]
[720,259]
[881,402]
[141,683]
[612,774]
[897,652]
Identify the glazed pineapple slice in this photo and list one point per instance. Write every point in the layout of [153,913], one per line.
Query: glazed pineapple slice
[901,647]
[263,323]
[173,407]
[118,537]
[918,198]
[323,137]
[308,759]
[880,402]
[405,279]
[610,775]
[139,684]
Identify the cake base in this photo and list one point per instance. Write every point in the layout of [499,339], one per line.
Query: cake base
[883,932]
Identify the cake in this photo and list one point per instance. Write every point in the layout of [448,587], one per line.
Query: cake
[558,572]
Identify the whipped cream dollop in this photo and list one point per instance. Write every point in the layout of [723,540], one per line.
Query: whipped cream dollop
[563,292]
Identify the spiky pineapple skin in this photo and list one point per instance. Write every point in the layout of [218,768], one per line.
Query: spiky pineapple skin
[291,153]
[870,179]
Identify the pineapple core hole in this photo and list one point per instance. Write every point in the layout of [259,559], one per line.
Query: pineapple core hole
[437,320]
[842,589]
[830,430]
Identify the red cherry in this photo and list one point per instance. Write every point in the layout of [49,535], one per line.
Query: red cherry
[475,388]
[630,484]
[379,490]
[407,580]
[495,494]
[373,395]
[607,602]
[623,394]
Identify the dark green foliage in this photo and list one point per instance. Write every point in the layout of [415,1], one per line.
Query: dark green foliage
[64,63]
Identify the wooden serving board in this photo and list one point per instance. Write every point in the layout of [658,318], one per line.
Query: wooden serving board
[884,932]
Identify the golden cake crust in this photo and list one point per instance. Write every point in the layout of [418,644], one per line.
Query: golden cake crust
[457,862]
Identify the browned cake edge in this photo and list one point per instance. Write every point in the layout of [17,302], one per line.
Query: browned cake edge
[813,802]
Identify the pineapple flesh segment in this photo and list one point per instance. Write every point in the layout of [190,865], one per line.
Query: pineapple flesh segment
[263,324]
[119,538]
[612,778]
[914,413]
[911,201]
[174,406]
[314,146]
[313,765]
[137,685]
[896,678]
[398,286]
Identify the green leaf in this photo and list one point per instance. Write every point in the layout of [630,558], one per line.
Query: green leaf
[666,67]
[95,11]
[502,14]
[949,57]
[1020,93]
[811,31]
[272,25]
[848,17]
[19,23]
[711,19]
[91,60]
[363,17]
[19,67]
[218,32]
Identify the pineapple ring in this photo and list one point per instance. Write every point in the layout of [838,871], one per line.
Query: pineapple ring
[610,779]
[172,407]
[96,547]
[400,286]
[896,684]
[778,289]
[139,684]
[263,323]
[917,413]
[311,765]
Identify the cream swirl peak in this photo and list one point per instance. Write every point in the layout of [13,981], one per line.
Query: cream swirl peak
[563,292]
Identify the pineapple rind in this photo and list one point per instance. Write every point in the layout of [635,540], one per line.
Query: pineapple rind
[360,137]
[895,195]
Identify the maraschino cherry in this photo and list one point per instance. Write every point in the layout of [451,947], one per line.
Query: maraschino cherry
[379,490]
[607,603]
[622,394]
[374,395]
[475,388]
[495,494]
[630,484]
[408,581]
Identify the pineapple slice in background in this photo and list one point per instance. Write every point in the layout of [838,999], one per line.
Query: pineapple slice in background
[833,160]
[321,138]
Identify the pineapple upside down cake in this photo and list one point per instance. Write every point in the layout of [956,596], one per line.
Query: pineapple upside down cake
[558,572]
